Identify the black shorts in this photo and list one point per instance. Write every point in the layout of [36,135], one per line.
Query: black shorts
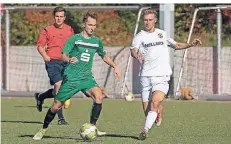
[55,69]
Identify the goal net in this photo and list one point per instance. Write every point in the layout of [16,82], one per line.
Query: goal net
[206,68]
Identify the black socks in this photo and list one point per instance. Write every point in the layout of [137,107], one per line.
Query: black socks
[47,94]
[60,114]
[49,117]
[95,112]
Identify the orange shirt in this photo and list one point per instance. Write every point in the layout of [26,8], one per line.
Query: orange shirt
[1,8]
[55,39]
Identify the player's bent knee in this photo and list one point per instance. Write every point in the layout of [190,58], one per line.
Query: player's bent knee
[158,96]
[99,98]
[56,106]
[54,109]
[58,84]
[154,105]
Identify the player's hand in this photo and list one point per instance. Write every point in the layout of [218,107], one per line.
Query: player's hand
[46,58]
[117,72]
[196,42]
[140,58]
[73,60]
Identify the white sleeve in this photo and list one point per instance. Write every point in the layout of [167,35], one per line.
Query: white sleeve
[135,43]
[171,42]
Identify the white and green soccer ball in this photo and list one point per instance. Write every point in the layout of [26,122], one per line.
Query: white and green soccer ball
[88,132]
[130,97]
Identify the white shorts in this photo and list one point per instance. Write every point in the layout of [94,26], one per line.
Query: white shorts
[150,84]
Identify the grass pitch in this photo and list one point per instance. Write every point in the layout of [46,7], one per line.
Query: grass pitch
[184,122]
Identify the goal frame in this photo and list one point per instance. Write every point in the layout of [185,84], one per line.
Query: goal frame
[219,41]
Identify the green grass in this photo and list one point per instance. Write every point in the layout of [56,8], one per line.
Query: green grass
[184,122]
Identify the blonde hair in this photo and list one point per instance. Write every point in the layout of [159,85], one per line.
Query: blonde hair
[150,11]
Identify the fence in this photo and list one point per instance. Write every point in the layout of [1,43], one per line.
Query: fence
[23,68]
[27,72]
[211,71]
[201,72]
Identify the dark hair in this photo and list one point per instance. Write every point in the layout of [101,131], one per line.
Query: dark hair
[59,9]
[89,14]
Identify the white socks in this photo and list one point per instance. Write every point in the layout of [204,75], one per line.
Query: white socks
[150,120]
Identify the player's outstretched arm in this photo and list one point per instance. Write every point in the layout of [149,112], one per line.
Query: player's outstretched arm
[109,61]
[180,46]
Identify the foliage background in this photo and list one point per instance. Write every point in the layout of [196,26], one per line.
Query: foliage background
[116,27]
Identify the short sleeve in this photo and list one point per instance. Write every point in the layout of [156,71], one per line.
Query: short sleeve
[42,40]
[101,52]
[69,45]
[136,42]
[171,42]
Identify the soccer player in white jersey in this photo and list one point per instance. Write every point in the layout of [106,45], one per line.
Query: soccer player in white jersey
[150,48]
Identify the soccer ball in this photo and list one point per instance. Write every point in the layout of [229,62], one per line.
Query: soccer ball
[130,97]
[88,132]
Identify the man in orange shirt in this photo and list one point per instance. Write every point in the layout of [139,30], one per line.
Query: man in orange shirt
[50,44]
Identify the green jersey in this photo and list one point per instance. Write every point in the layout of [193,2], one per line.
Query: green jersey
[84,50]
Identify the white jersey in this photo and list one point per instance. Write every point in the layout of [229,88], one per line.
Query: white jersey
[154,47]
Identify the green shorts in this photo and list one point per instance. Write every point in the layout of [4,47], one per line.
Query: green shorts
[70,88]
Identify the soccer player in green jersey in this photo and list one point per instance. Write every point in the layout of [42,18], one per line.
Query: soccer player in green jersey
[79,51]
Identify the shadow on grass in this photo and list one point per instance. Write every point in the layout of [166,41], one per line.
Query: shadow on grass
[121,136]
[35,122]
[79,139]
[56,137]
[32,106]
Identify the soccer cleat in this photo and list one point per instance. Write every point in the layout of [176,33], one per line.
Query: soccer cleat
[99,133]
[143,134]
[158,122]
[38,102]
[62,122]
[159,118]
[39,135]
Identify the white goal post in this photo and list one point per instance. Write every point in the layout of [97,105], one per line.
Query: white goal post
[219,40]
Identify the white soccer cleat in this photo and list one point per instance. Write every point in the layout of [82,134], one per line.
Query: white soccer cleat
[39,135]
[158,123]
[143,134]
[99,133]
